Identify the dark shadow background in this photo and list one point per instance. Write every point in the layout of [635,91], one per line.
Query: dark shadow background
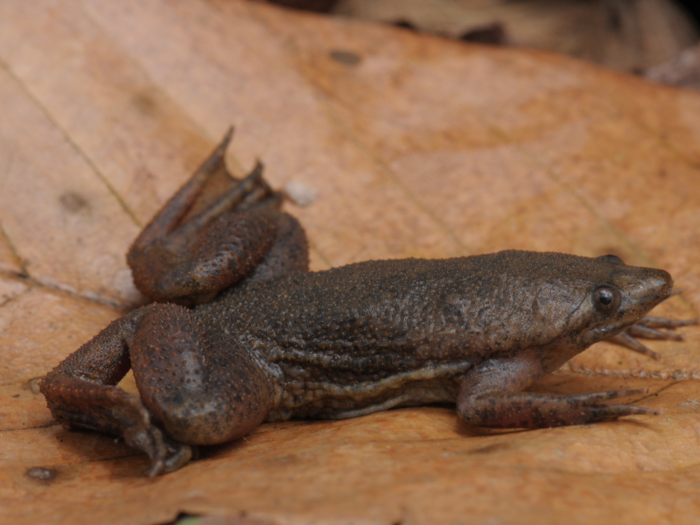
[692,7]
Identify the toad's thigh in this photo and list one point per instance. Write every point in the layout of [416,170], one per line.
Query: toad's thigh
[199,398]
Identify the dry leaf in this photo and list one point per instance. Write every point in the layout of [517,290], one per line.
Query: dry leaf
[414,146]
[624,35]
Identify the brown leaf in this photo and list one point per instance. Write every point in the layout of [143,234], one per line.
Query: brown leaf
[416,147]
[628,36]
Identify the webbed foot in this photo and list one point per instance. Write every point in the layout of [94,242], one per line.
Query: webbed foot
[166,454]
[207,237]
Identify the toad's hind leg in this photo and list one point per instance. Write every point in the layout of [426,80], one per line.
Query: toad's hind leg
[81,392]
[185,388]
[190,252]
[202,394]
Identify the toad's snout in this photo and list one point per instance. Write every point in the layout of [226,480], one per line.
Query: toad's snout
[643,288]
[663,283]
[654,287]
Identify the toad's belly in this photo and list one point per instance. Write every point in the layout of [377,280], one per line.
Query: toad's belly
[330,400]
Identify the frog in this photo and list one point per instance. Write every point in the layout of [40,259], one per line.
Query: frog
[241,332]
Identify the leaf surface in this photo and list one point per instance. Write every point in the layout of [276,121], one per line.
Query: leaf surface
[417,147]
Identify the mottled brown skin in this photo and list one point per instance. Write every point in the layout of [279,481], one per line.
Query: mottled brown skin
[278,342]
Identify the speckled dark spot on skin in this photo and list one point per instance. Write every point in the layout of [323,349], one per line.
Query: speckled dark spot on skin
[74,202]
[41,473]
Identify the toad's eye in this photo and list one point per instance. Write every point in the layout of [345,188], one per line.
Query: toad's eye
[612,259]
[606,298]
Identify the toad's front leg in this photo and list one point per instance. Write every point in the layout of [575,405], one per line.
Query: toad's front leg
[491,396]
[195,395]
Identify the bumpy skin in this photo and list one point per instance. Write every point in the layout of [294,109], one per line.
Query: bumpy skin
[279,342]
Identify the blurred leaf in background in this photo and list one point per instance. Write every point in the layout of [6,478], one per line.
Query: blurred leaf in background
[627,35]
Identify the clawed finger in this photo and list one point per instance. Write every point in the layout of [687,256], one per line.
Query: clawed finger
[626,340]
[662,322]
[652,333]
[597,397]
[598,412]
[646,329]
[614,411]
[156,469]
